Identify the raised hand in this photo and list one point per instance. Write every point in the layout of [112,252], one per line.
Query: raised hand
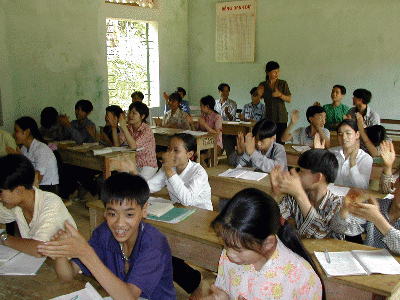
[387,153]
[369,211]
[112,119]
[360,121]
[318,143]
[122,121]
[250,143]
[240,147]
[276,177]
[291,183]
[294,116]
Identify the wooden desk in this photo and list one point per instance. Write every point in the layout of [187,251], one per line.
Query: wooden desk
[44,285]
[207,141]
[233,128]
[225,187]
[85,158]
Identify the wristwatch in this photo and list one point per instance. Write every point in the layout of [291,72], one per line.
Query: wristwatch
[3,238]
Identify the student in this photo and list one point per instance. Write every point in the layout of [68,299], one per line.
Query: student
[259,148]
[82,130]
[316,116]
[355,165]
[253,111]
[184,105]
[26,133]
[137,96]
[225,106]
[50,127]
[335,110]
[386,183]
[308,199]
[175,117]
[129,258]
[263,258]
[275,93]
[137,134]
[6,142]
[361,99]
[39,214]
[112,111]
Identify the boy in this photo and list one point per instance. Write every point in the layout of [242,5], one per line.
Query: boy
[129,258]
[316,116]
[308,200]
[137,96]
[259,148]
[253,111]
[39,214]
[82,130]
[336,110]
[361,99]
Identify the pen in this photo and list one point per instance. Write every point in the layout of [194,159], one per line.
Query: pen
[328,259]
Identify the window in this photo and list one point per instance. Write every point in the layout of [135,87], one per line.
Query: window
[132,61]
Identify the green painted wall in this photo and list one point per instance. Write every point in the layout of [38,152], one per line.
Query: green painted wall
[317,44]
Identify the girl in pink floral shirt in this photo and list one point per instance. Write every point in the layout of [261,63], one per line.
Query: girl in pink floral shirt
[262,259]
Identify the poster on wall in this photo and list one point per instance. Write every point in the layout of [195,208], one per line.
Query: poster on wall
[235,31]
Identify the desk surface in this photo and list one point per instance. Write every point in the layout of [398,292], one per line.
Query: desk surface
[232,127]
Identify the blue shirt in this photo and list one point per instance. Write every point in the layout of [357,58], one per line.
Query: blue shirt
[254,112]
[79,132]
[150,261]
[184,106]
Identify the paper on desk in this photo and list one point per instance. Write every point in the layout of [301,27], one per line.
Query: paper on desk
[88,293]
[114,149]
[22,264]
[243,173]
[301,148]
[195,133]
[6,253]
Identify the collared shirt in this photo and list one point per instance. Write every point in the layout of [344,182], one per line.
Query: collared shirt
[334,115]
[190,188]
[214,120]
[43,160]
[220,108]
[178,119]
[6,140]
[370,118]
[254,112]
[357,176]
[79,132]
[301,136]
[49,215]
[184,106]
[285,275]
[144,137]
[320,222]
[150,261]
[274,156]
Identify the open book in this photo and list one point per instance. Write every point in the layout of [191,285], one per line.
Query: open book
[358,262]
[22,264]
[159,206]
[6,253]
[243,173]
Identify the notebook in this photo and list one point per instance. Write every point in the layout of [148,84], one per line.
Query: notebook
[158,206]
[22,264]
[243,173]
[358,262]
[175,215]
[6,253]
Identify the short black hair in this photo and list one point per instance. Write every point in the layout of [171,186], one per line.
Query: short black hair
[264,129]
[222,85]
[115,109]
[271,65]
[350,122]
[341,87]
[16,170]
[208,100]
[376,133]
[188,139]
[313,110]
[175,96]
[253,90]
[180,90]
[141,108]
[320,161]
[121,187]
[363,94]
[138,93]
[85,105]
[48,116]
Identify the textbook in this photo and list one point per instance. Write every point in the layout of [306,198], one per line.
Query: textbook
[22,264]
[158,206]
[175,215]
[358,262]
[243,173]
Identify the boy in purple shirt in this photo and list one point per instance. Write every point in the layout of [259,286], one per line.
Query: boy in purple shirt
[129,258]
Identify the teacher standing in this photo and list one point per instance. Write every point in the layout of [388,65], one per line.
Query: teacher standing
[275,93]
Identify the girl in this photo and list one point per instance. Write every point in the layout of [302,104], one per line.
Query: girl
[263,258]
[355,165]
[26,133]
[175,117]
[137,134]
[112,111]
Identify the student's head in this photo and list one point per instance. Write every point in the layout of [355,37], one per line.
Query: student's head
[125,200]
[82,109]
[376,134]
[316,166]
[114,110]
[138,113]
[316,115]
[265,133]
[137,96]
[207,104]
[338,92]
[174,101]
[183,147]
[224,90]
[272,70]
[26,127]
[361,96]
[348,134]
[16,175]
[255,97]
[181,91]
[48,117]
